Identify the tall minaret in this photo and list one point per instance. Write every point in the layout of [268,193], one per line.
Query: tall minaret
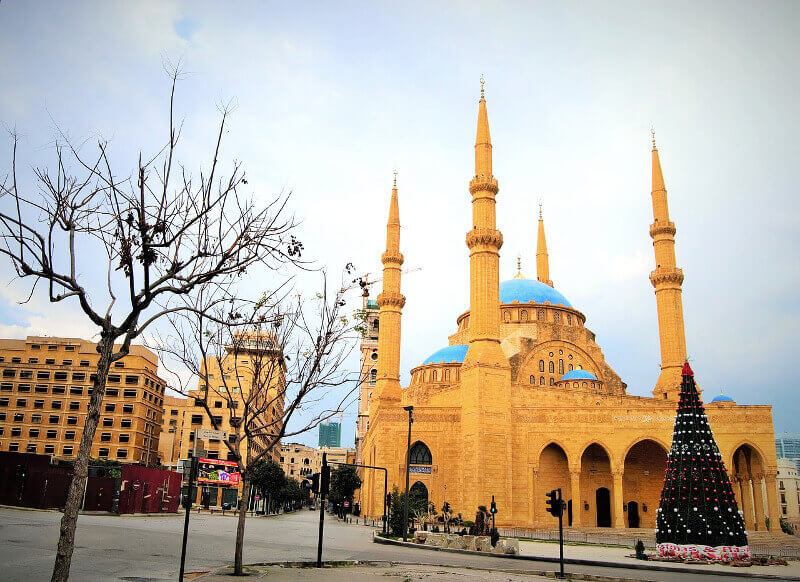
[484,242]
[667,279]
[486,435]
[542,262]
[390,302]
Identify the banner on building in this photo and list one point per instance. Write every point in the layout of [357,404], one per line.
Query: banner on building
[218,471]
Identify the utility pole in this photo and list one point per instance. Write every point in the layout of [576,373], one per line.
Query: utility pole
[324,482]
[410,410]
[187,504]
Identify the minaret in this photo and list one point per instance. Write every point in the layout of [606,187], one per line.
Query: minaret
[390,302]
[486,436]
[667,279]
[542,262]
[484,242]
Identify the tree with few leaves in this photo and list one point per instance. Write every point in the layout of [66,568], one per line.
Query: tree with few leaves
[270,362]
[128,247]
[268,477]
[344,483]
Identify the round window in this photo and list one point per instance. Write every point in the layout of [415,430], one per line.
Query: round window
[560,351]
[374,354]
[551,354]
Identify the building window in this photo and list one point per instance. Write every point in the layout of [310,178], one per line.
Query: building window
[74,405]
[122,453]
[78,377]
[9,373]
[560,366]
[84,363]
[26,374]
[62,376]
[53,419]
[540,314]
[76,390]
[19,417]
[552,381]
[420,454]
[33,433]
[373,376]
[110,407]
[52,434]
[49,449]
[113,392]
[126,423]
[69,349]
[52,347]
[197,419]
[21,403]
[108,422]
[533,379]
[42,375]
[570,367]
[105,437]
[541,381]
[114,378]
[506,315]
[59,389]
[102,453]
[569,319]
[523,315]
[38,403]
[557,316]
[72,420]
[41,388]
[129,393]
[36,418]
[31,448]
[69,435]
[551,367]
[13,447]
[124,438]
[23,387]
[16,431]
[131,379]
[6,386]
[3,401]
[128,408]
[67,450]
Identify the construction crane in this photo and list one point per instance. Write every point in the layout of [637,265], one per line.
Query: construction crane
[365,282]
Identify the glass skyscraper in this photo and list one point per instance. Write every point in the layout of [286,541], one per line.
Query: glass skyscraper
[330,434]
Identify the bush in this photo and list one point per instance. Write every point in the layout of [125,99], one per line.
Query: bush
[787,527]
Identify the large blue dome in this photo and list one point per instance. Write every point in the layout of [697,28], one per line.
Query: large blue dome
[449,355]
[529,290]
[578,375]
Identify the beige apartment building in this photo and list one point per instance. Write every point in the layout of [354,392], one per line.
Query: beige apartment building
[788,484]
[298,460]
[183,416]
[45,385]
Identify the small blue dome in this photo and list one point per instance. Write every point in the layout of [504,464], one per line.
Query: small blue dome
[449,355]
[578,375]
[723,398]
[528,290]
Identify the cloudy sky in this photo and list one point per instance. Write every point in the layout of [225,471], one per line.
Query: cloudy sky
[331,97]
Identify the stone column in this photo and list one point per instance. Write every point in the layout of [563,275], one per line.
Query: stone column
[617,513]
[773,509]
[577,504]
[747,504]
[758,502]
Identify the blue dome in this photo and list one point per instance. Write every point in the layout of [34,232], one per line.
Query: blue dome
[449,355]
[528,290]
[723,398]
[578,375]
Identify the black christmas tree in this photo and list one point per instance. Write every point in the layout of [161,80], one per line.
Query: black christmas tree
[697,506]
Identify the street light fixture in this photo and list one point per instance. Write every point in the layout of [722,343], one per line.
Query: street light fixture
[410,410]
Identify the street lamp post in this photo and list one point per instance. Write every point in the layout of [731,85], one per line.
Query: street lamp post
[410,410]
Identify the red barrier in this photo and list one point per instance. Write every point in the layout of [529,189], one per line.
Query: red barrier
[149,490]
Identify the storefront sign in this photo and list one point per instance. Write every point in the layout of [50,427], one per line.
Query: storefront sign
[218,471]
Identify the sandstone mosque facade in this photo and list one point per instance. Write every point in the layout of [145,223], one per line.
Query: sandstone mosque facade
[486,420]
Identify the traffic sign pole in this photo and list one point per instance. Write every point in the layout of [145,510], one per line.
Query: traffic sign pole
[322,492]
[561,534]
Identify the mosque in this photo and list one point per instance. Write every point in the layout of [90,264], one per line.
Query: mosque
[522,401]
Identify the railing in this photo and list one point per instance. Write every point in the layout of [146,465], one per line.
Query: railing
[629,541]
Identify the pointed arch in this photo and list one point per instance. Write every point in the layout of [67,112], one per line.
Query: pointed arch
[420,454]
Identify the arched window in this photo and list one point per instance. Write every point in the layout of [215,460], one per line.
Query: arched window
[570,367]
[375,324]
[447,374]
[574,384]
[585,384]
[533,379]
[541,381]
[420,454]
[506,315]
[541,365]
[551,367]
[552,381]
[560,366]
[373,376]
[569,319]
[458,374]
[540,314]
[419,491]
[523,315]
[435,376]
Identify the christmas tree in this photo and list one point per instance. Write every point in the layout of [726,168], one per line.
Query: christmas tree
[698,516]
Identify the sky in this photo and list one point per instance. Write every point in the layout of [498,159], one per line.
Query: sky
[330,98]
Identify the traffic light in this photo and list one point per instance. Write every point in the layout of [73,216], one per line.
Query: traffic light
[325,480]
[314,483]
[493,508]
[553,503]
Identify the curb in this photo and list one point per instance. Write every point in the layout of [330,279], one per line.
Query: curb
[583,562]
[99,513]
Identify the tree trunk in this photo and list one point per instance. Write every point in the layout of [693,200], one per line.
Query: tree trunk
[66,536]
[237,558]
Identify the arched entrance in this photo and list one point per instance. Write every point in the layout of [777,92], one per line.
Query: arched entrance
[553,473]
[748,486]
[419,491]
[602,501]
[595,475]
[643,479]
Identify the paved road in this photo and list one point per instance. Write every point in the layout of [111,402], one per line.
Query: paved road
[135,549]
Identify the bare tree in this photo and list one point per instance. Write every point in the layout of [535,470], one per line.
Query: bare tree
[265,361]
[158,237]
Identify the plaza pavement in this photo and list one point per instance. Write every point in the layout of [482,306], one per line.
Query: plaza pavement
[143,548]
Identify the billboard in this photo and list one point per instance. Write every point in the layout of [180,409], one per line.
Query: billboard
[218,471]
